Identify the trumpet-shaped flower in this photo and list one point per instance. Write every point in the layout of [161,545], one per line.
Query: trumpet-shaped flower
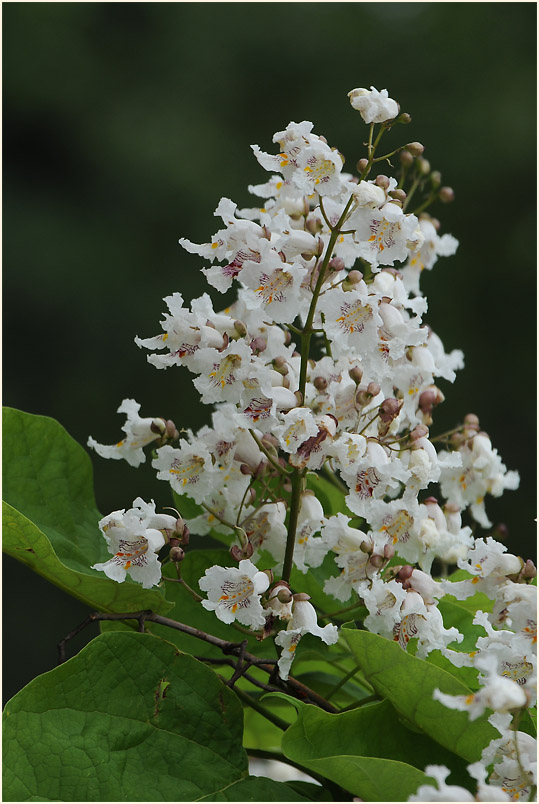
[234,593]
[138,433]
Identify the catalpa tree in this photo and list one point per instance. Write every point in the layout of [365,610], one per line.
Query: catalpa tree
[360,622]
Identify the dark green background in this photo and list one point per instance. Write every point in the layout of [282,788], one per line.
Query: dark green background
[124,124]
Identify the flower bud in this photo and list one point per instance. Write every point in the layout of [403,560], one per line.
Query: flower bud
[362,164]
[356,374]
[398,195]
[389,551]
[419,431]
[529,570]
[258,345]
[301,597]
[336,264]
[176,554]
[354,277]
[377,561]
[404,118]
[405,572]
[240,328]
[423,165]
[299,397]
[446,195]
[320,383]
[415,148]
[314,225]
[279,364]
[406,158]
[382,181]
[436,178]
[366,547]
[373,389]
[284,596]
[471,421]
[239,553]
[246,470]
[389,409]
[269,441]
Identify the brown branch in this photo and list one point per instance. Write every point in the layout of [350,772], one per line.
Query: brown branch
[292,686]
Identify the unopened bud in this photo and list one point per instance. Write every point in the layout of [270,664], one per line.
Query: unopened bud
[301,597]
[406,158]
[471,421]
[299,398]
[258,345]
[419,431]
[389,551]
[427,400]
[287,338]
[176,554]
[382,181]
[366,547]
[356,374]
[269,440]
[240,328]
[446,195]
[423,165]
[246,470]
[354,277]
[373,389]
[284,595]
[320,383]
[314,225]
[404,118]
[171,431]
[398,195]
[239,553]
[415,148]
[377,561]
[436,178]
[279,364]
[405,572]
[389,409]
[362,164]
[529,570]
[336,264]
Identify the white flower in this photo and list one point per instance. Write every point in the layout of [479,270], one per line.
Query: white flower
[303,621]
[374,106]
[498,693]
[234,593]
[134,543]
[188,469]
[138,433]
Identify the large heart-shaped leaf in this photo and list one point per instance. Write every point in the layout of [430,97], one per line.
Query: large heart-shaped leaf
[368,751]
[129,719]
[50,517]
[408,682]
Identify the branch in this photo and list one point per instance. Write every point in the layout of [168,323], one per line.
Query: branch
[292,686]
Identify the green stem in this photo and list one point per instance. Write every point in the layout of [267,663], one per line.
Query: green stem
[218,516]
[343,681]
[270,458]
[426,203]
[295,504]
[277,721]
[332,614]
[329,475]
[369,699]
[386,156]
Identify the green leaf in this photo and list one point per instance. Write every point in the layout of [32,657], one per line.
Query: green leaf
[257,788]
[128,719]
[50,517]
[367,751]
[408,682]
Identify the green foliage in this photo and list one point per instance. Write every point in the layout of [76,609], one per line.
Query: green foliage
[129,719]
[50,517]
[408,682]
[368,751]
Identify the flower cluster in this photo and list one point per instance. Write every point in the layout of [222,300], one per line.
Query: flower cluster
[324,364]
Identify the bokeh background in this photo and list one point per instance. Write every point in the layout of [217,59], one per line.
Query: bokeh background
[125,123]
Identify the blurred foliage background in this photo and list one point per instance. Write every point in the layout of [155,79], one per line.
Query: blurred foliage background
[125,123]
